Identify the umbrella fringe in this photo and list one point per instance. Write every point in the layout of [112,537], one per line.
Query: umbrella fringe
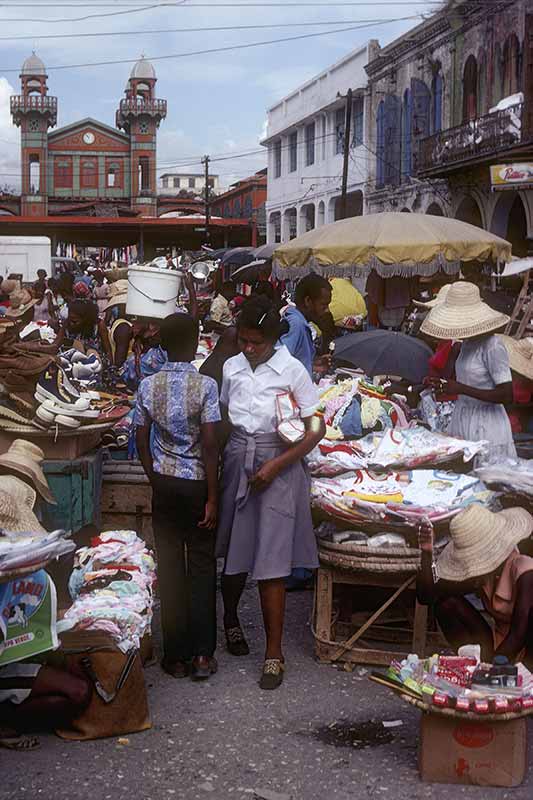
[404,270]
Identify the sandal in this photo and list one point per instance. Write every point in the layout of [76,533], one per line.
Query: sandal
[272,676]
[20,742]
[236,642]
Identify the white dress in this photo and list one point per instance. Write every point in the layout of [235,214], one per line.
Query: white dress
[483,364]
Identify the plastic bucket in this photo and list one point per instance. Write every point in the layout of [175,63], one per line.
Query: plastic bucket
[152,291]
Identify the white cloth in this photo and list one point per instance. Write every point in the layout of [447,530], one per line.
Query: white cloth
[483,364]
[250,395]
[220,311]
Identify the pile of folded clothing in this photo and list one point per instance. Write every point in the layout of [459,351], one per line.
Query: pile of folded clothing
[405,448]
[354,407]
[398,498]
[112,588]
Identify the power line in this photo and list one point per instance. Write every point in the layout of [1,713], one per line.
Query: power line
[198,30]
[90,16]
[207,51]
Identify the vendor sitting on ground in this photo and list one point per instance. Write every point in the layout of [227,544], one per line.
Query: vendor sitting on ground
[83,329]
[482,558]
[221,316]
[312,298]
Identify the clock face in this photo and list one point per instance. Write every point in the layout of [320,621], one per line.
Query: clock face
[88,137]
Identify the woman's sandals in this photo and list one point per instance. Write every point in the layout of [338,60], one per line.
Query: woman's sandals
[272,676]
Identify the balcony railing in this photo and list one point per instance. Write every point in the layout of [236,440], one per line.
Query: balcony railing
[138,105]
[480,137]
[33,103]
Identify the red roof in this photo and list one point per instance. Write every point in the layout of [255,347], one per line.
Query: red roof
[145,222]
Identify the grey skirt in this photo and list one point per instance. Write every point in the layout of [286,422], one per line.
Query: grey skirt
[266,533]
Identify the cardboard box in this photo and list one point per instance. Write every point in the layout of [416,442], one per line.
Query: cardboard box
[475,753]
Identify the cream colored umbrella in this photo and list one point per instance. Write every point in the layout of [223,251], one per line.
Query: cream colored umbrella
[392,243]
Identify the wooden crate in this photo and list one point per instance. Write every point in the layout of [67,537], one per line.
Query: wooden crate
[127,499]
[344,642]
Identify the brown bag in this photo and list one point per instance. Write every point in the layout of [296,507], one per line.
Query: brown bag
[119,704]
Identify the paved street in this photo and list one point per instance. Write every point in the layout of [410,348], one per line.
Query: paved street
[228,741]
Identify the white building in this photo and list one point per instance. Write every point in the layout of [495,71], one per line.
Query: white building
[172,183]
[305,141]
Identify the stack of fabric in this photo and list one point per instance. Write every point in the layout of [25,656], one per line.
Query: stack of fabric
[112,588]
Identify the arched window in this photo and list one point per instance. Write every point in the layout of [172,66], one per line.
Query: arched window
[113,174]
[247,206]
[470,89]
[237,207]
[380,145]
[407,149]
[437,88]
[511,62]
[482,104]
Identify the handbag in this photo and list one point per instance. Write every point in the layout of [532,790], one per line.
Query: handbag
[291,426]
[119,704]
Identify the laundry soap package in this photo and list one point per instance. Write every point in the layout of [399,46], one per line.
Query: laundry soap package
[484,753]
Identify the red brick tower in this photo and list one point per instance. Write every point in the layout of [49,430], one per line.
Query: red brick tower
[34,111]
[140,115]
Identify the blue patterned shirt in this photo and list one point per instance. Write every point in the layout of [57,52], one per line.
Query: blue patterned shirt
[177,401]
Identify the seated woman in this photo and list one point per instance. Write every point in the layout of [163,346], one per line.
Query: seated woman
[83,329]
[265,523]
[35,697]
[482,558]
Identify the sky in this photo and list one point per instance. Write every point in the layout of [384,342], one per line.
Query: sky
[217,102]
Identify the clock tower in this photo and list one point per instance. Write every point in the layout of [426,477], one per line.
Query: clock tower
[34,111]
[139,115]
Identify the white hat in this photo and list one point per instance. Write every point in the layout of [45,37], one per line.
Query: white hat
[520,352]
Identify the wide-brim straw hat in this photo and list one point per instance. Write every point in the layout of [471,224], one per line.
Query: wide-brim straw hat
[520,352]
[21,301]
[439,298]
[16,504]
[118,293]
[462,315]
[481,540]
[25,458]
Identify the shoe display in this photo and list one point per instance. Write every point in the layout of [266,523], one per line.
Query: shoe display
[55,408]
[53,384]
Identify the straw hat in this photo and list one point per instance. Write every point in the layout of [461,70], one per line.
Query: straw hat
[9,285]
[21,300]
[440,298]
[118,293]
[481,541]
[25,458]
[520,352]
[16,503]
[462,315]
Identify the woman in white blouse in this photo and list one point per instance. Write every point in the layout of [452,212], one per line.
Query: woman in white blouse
[265,523]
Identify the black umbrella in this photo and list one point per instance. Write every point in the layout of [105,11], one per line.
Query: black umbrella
[385,353]
[250,272]
[265,250]
[237,257]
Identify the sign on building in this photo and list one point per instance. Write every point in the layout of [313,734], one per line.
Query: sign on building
[506,176]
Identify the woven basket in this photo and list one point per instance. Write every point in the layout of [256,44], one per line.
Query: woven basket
[21,572]
[358,549]
[351,563]
[465,715]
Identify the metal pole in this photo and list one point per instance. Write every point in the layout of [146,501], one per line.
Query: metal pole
[205,161]
[347,143]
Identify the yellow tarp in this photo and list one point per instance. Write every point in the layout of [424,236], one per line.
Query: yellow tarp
[345,300]
[393,238]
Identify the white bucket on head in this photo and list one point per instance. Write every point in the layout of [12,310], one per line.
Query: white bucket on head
[152,291]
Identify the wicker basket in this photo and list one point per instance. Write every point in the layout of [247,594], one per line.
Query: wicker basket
[465,715]
[361,558]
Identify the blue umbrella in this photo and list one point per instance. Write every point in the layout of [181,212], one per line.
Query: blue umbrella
[382,352]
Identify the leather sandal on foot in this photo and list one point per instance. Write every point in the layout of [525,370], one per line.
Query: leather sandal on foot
[177,669]
[272,676]
[236,643]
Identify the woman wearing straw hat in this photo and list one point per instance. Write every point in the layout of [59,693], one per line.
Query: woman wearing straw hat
[482,558]
[484,381]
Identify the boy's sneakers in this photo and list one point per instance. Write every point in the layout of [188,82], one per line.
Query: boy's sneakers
[54,385]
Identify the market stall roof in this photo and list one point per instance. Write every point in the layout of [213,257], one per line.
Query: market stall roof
[517,266]
[392,243]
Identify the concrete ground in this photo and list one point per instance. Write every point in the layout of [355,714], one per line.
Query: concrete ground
[227,740]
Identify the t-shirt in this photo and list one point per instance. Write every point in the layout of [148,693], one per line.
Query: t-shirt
[220,311]
[299,338]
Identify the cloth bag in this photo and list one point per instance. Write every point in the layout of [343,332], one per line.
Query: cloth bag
[119,704]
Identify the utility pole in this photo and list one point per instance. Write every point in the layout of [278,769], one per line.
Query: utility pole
[205,162]
[346,162]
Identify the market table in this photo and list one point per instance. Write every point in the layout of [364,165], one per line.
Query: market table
[391,568]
